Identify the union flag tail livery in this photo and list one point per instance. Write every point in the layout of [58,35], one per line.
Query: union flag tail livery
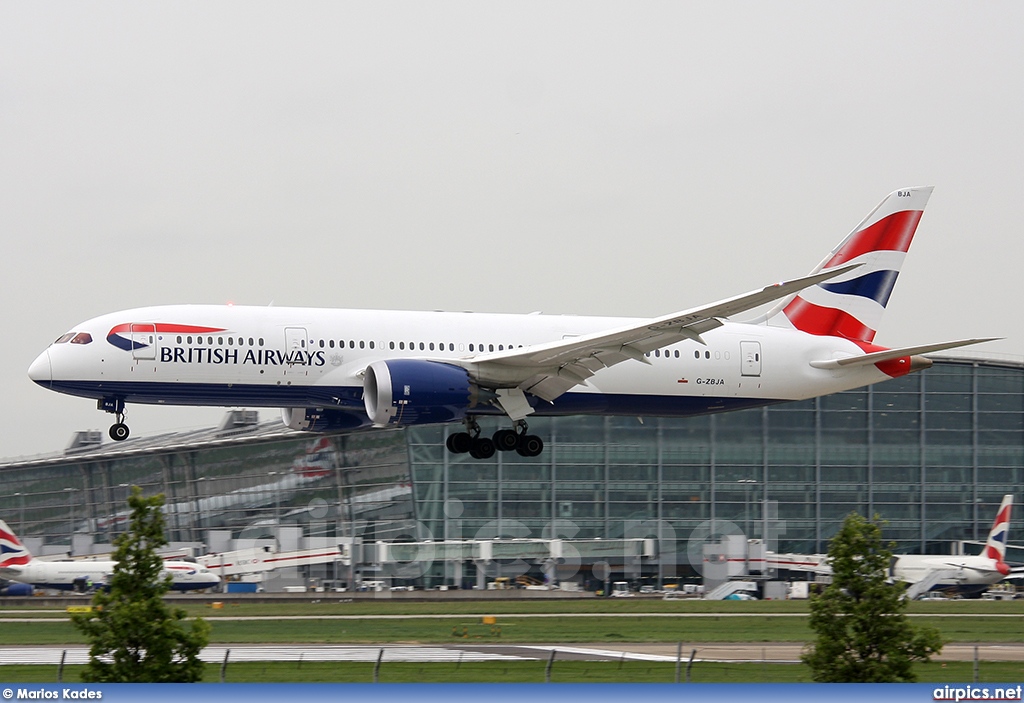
[12,551]
[995,547]
[851,305]
[331,370]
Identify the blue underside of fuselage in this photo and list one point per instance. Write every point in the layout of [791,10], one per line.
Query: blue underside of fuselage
[350,399]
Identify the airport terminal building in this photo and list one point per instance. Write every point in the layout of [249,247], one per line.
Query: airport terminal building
[932,453]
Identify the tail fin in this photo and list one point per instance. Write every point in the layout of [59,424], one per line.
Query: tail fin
[995,547]
[851,305]
[12,551]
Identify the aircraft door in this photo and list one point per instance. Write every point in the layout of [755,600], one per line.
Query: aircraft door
[143,341]
[750,356]
[295,343]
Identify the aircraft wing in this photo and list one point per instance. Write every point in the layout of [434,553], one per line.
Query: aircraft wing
[549,370]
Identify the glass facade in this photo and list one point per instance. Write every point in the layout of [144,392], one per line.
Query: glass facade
[932,453]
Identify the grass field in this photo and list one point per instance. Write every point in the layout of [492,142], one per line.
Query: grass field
[592,621]
[564,622]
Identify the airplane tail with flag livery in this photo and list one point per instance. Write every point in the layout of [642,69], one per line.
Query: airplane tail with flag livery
[851,305]
[995,546]
[12,551]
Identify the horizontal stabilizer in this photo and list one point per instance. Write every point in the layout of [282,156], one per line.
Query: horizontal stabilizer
[889,354]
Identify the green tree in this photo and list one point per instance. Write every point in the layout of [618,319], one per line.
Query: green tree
[134,635]
[863,632]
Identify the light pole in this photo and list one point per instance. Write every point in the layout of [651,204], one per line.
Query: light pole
[71,525]
[277,499]
[747,482]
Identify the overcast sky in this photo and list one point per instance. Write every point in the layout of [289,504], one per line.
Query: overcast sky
[594,158]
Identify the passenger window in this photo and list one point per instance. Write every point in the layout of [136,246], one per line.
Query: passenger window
[362,344]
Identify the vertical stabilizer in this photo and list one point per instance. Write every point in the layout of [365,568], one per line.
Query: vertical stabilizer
[12,551]
[995,546]
[851,305]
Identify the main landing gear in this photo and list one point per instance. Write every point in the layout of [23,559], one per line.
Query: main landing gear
[482,447]
[118,431]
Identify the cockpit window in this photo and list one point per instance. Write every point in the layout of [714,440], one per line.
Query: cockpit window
[82,338]
[65,338]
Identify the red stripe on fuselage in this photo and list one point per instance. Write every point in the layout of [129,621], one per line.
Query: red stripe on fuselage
[164,327]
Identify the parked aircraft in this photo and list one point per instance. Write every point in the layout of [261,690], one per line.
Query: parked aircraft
[971,574]
[924,572]
[345,369]
[17,564]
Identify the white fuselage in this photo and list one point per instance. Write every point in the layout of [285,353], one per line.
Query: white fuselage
[309,357]
[958,570]
[83,574]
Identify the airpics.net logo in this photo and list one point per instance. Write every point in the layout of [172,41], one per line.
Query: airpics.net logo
[977,693]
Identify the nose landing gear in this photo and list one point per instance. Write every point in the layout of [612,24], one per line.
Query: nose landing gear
[119,430]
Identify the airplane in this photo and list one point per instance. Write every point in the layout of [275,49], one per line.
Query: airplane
[336,369]
[17,564]
[966,574]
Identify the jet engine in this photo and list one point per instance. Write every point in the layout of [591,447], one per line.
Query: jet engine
[415,391]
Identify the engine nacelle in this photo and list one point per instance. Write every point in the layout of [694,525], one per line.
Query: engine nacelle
[320,419]
[17,589]
[416,392]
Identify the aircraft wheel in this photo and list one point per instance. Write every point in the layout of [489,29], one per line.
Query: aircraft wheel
[482,448]
[506,440]
[459,442]
[530,445]
[119,432]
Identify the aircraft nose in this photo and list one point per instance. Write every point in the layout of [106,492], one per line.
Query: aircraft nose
[39,371]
